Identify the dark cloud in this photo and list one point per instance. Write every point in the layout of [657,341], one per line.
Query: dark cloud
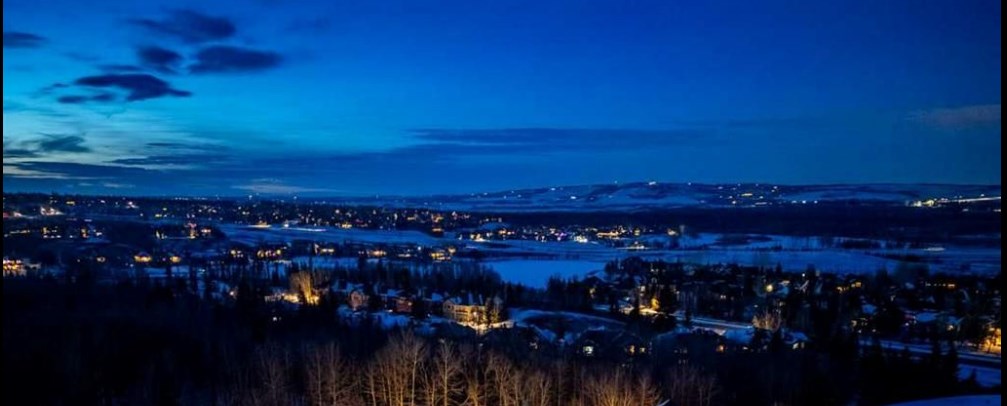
[958,118]
[53,87]
[177,159]
[174,147]
[189,26]
[137,86]
[10,106]
[82,56]
[310,26]
[103,97]
[535,140]
[18,153]
[73,99]
[120,68]
[167,145]
[450,146]
[61,143]
[77,170]
[229,59]
[9,152]
[17,39]
[159,59]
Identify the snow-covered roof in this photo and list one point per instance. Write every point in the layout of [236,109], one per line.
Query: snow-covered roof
[926,317]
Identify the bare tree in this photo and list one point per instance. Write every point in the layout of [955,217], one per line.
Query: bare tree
[504,379]
[689,386]
[272,365]
[768,320]
[475,393]
[329,379]
[475,387]
[620,388]
[537,389]
[395,374]
[447,376]
[302,283]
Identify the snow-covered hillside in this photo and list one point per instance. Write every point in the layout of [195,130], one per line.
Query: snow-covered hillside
[643,195]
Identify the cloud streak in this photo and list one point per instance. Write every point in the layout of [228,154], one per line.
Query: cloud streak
[137,86]
[958,118]
[230,59]
[61,143]
[171,159]
[120,68]
[73,170]
[159,59]
[18,39]
[102,97]
[269,186]
[550,139]
[189,26]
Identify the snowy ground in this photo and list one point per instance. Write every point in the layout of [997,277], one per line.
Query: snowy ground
[254,235]
[987,377]
[547,323]
[982,400]
[532,262]
[536,273]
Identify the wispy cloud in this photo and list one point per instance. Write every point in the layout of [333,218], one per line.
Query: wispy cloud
[959,117]
[270,186]
[14,152]
[47,145]
[17,39]
[137,86]
[61,143]
[120,68]
[159,59]
[101,97]
[183,160]
[539,140]
[71,170]
[189,26]
[230,59]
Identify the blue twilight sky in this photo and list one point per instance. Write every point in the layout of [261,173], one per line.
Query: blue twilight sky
[407,97]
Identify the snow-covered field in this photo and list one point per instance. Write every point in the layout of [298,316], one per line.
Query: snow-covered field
[643,195]
[536,273]
[533,262]
[276,234]
[981,400]
[988,377]
[563,257]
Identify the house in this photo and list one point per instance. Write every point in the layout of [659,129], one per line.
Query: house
[991,343]
[616,345]
[403,304]
[357,299]
[18,267]
[271,252]
[680,346]
[519,339]
[936,321]
[795,340]
[467,308]
[142,258]
[327,249]
[470,308]
[399,301]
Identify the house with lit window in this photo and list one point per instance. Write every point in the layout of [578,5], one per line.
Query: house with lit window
[470,308]
[610,344]
[357,299]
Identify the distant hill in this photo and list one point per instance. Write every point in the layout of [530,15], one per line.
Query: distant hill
[654,195]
